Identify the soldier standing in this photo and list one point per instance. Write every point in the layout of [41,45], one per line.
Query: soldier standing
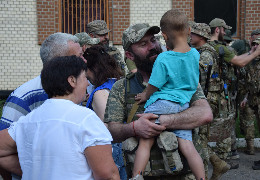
[253,87]
[200,33]
[232,88]
[142,47]
[246,114]
[98,29]
[226,58]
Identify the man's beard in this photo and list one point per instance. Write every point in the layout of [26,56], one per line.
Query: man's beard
[221,36]
[146,64]
[104,43]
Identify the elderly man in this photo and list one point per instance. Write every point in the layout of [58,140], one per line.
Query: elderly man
[31,95]
[98,29]
[141,46]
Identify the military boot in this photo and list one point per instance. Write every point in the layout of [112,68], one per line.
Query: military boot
[250,147]
[219,167]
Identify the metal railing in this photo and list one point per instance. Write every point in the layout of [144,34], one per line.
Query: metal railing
[74,15]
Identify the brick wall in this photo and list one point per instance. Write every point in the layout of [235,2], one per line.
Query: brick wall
[242,18]
[252,16]
[19,49]
[48,18]
[186,5]
[21,32]
[119,19]
[147,11]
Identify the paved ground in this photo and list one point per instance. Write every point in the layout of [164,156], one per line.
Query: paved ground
[245,171]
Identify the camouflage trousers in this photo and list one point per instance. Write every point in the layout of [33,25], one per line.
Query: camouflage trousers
[201,135]
[247,117]
[220,132]
[233,137]
[222,125]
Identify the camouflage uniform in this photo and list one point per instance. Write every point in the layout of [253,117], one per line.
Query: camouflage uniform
[99,27]
[223,116]
[119,104]
[232,87]
[85,39]
[121,100]
[208,56]
[115,53]
[246,114]
[253,85]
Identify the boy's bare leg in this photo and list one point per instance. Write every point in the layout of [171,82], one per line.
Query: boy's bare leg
[142,155]
[194,160]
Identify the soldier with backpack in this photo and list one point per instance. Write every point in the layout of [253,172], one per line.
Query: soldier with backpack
[225,115]
[200,33]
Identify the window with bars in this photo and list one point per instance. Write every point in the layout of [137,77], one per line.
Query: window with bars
[76,14]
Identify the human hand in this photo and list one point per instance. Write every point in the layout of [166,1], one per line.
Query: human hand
[145,126]
[243,103]
[141,97]
[257,49]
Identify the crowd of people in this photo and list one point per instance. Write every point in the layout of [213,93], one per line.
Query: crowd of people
[92,114]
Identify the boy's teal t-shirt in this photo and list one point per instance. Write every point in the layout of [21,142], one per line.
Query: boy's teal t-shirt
[176,75]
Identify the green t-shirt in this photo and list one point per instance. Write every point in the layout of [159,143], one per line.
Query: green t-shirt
[228,53]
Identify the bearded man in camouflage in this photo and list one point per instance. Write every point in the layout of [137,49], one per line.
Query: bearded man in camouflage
[98,29]
[225,113]
[141,46]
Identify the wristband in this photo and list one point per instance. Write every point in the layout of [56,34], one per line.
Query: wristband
[134,127]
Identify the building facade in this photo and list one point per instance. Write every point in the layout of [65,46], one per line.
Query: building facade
[24,24]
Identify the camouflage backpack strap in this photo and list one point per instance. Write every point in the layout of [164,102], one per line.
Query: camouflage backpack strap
[132,112]
[211,50]
[130,95]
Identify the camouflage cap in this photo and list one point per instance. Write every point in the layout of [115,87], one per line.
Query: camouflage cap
[257,40]
[217,22]
[191,23]
[136,32]
[228,35]
[98,27]
[85,39]
[255,32]
[201,29]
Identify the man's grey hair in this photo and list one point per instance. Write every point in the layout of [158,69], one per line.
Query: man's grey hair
[56,45]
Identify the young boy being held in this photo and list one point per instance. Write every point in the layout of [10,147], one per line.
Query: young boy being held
[173,81]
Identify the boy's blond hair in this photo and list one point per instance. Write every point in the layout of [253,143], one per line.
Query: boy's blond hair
[174,21]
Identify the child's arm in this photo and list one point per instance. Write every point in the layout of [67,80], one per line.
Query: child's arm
[144,96]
